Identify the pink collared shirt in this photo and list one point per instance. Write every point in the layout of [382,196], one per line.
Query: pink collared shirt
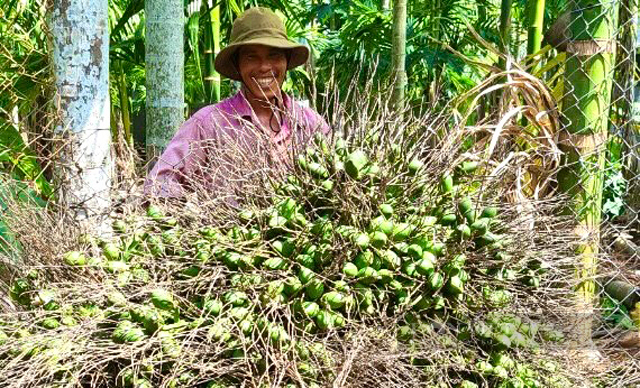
[210,144]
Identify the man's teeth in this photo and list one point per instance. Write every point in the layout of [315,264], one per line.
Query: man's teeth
[264,82]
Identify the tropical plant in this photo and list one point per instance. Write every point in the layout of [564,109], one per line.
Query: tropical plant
[586,113]
[164,55]
[25,93]
[398,52]
[80,39]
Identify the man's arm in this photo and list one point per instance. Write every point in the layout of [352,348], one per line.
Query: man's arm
[172,169]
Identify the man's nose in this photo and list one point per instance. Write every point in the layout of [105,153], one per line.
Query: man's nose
[265,66]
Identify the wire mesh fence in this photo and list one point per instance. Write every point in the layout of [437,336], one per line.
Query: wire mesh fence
[597,87]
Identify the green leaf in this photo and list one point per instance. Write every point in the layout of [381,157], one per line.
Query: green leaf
[21,160]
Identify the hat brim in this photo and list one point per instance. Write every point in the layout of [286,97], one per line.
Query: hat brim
[299,54]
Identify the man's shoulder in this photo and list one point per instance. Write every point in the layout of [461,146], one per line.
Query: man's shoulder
[199,125]
[229,107]
[211,109]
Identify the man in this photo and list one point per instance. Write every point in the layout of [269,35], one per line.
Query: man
[259,124]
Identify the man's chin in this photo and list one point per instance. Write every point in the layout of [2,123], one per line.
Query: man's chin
[265,94]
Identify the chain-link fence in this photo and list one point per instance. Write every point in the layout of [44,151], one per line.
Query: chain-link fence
[597,87]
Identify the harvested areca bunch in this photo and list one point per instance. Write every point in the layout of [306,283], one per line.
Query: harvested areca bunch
[427,270]
[375,259]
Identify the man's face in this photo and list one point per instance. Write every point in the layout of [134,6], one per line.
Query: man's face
[262,70]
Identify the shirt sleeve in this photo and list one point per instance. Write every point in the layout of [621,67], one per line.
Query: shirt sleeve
[317,123]
[169,174]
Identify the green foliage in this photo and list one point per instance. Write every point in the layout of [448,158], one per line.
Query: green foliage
[17,159]
[615,187]
[615,184]
[361,40]
[615,313]
[353,35]
[25,88]
[12,192]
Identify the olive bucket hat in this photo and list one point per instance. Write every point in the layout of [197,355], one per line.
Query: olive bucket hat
[262,26]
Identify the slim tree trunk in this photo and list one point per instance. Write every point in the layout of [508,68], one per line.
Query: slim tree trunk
[586,117]
[333,21]
[81,65]
[505,39]
[434,75]
[398,53]
[193,31]
[125,109]
[505,24]
[212,48]
[535,21]
[164,55]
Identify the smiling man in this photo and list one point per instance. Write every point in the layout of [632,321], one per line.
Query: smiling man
[260,123]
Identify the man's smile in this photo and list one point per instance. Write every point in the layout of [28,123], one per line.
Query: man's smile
[264,82]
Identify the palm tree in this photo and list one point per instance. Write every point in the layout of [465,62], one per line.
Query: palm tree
[164,72]
[126,60]
[81,68]
[586,118]
[535,21]
[398,53]
[505,25]
[211,49]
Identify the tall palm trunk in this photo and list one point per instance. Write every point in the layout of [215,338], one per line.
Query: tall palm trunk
[164,56]
[398,52]
[505,24]
[434,75]
[535,21]
[586,112]
[81,67]
[212,48]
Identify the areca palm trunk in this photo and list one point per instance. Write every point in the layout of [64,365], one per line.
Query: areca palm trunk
[585,113]
[505,23]
[81,65]
[535,21]
[212,48]
[398,53]
[164,56]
